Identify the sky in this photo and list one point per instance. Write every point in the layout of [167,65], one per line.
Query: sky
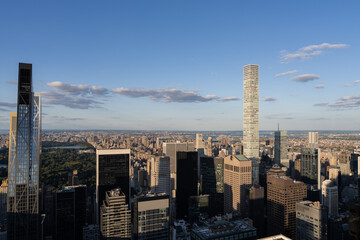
[178,65]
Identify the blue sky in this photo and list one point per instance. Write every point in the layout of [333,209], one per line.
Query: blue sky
[177,65]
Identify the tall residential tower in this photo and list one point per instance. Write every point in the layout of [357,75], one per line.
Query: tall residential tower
[24,152]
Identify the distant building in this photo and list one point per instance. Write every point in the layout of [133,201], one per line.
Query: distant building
[171,148]
[186,181]
[281,148]
[313,140]
[91,232]
[354,221]
[112,171]
[115,216]
[282,195]
[160,175]
[329,192]
[199,141]
[223,229]
[73,178]
[311,221]
[70,212]
[354,163]
[310,166]
[256,206]
[212,183]
[251,111]
[237,180]
[151,217]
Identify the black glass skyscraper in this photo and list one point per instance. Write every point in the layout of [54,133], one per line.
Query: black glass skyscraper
[186,181]
[24,152]
[112,171]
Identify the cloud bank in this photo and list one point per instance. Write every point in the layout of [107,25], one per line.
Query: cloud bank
[305,78]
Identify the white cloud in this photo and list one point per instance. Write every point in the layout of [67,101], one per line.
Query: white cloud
[310,51]
[305,78]
[348,102]
[286,73]
[357,81]
[319,86]
[321,104]
[269,99]
[348,85]
[227,99]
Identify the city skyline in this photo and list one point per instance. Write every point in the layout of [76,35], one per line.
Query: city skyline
[142,66]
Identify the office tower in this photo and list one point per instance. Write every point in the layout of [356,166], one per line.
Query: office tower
[256,206]
[237,180]
[198,205]
[70,212]
[170,149]
[115,216]
[160,175]
[354,221]
[73,178]
[282,195]
[3,200]
[251,111]
[212,183]
[310,166]
[112,171]
[24,152]
[338,228]
[313,140]
[151,217]
[311,221]
[255,171]
[91,232]
[297,169]
[186,180]
[329,192]
[354,163]
[281,148]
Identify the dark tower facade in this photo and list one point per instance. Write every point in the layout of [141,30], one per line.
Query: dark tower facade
[24,152]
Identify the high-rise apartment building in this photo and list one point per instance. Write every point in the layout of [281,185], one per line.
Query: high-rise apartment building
[24,152]
[310,166]
[115,216]
[313,140]
[212,183]
[251,111]
[237,180]
[281,148]
[282,195]
[160,175]
[112,171]
[199,141]
[311,221]
[70,212]
[186,180]
[329,192]
[151,217]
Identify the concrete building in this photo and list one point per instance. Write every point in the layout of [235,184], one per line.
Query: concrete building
[112,171]
[24,163]
[251,111]
[151,217]
[310,166]
[199,144]
[282,195]
[281,148]
[311,221]
[329,192]
[237,180]
[160,175]
[115,216]
[313,140]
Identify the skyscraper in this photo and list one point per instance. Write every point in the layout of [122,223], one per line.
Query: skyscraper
[112,171]
[199,141]
[115,216]
[186,180]
[281,148]
[330,197]
[313,139]
[310,166]
[24,152]
[256,206]
[151,217]
[282,195]
[251,111]
[160,175]
[237,180]
[311,221]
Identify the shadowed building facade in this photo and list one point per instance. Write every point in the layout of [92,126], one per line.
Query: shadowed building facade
[282,195]
[24,152]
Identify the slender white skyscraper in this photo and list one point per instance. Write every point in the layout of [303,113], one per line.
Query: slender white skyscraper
[251,111]
[313,139]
